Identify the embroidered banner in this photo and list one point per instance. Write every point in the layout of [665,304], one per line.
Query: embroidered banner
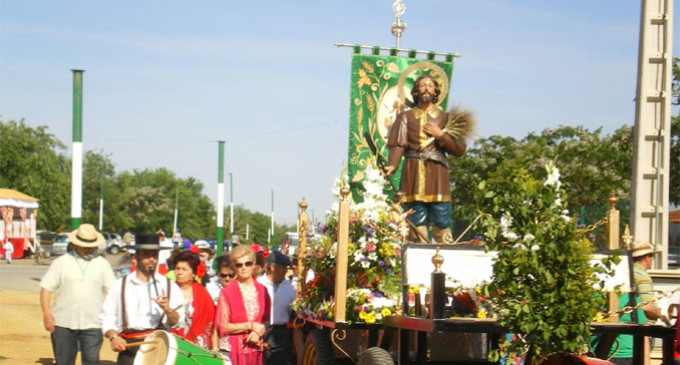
[380,88]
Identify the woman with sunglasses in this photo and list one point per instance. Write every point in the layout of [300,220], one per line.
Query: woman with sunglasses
[198,307]
[225,274]
[243,309]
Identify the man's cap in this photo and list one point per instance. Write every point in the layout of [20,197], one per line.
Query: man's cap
[642,248]
[86,236]
[277,257]
[147,241]
[202,244]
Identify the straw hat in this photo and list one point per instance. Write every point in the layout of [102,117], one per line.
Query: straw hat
[643,248]
[86,236]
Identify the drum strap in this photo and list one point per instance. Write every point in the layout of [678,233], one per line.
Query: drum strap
[122,293]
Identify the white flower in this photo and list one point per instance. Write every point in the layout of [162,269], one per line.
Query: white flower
[528,238]
[558,202]
[519,246]
[365,264]
[358,255]
[511,236]
[373,256]
[506,221]
[553,175]
[535,248]
[382,302]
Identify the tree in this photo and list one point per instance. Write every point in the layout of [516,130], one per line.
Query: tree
[674,193]
[99,177]
[592,165]
[32,161]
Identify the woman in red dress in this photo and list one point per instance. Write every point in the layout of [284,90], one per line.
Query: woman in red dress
[198,307]
[243,310]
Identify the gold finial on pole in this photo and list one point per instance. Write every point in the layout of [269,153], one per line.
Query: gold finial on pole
[627,237]
[344,192]
[437,260]
[612,201]
[398,27]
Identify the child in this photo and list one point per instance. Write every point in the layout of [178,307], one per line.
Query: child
[9,249]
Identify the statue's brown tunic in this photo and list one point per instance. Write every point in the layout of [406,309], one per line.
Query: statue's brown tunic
[422,180]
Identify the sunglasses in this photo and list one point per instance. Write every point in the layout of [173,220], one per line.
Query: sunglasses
[230,276]
[246,264]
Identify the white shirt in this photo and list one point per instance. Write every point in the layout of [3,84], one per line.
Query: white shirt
[79,287]
[214,287]
[282,296]
[141,312]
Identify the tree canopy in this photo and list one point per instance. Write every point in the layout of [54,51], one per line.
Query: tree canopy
[34,162]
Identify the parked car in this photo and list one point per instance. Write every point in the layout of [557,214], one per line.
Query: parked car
[113,243]
[59,244]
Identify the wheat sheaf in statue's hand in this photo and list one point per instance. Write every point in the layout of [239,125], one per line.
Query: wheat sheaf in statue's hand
[460,124]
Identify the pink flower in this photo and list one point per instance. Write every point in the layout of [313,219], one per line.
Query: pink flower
[371,247]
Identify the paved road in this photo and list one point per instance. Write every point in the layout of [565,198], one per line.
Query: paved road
[25,275]
[22,275]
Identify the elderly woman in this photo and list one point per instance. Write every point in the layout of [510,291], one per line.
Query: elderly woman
[242,311]
[198,307]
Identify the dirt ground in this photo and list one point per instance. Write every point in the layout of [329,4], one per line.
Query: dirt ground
[23,339]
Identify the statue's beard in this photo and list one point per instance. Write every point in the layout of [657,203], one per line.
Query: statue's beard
[426,98]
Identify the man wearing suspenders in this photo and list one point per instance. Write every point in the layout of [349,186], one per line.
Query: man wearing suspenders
[140,302]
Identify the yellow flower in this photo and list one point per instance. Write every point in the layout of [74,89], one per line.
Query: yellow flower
[481,314]
[362,315]
[370,318]
[386,312]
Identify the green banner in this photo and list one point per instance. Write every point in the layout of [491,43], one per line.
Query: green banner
[380,88]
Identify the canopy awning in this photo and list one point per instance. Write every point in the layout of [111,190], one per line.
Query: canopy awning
[9,197]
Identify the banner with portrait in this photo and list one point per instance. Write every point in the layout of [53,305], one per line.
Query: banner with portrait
[381,88]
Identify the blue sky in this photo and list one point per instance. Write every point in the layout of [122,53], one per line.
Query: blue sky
[165,80]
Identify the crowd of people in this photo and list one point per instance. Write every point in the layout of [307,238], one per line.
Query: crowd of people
[240,308]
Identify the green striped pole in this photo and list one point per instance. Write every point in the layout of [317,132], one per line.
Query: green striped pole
[220,197]
[77,151]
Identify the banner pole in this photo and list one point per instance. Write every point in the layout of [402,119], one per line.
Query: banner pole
[416,51]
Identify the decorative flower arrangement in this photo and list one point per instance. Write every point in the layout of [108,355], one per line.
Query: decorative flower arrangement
[468,303]
[374,265]
[543,284]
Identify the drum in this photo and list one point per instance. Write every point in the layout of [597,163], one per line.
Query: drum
[164,348]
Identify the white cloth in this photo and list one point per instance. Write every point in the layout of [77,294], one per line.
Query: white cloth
[142,313]
[282,296]
[79,287]
[214,287]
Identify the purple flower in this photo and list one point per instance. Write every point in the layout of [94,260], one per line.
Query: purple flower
[381,263]
[388,271]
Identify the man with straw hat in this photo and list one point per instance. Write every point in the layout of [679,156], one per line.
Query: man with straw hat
[141,302]
[79,281]
[643,260]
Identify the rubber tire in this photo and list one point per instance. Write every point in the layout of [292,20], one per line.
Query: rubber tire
[114,250]
[318,349]
[375,356]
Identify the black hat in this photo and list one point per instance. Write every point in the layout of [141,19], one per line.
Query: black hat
[147,241]
[277,257]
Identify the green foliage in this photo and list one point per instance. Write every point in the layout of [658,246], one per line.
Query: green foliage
[32,161]
[674,193]
[543,283]
[593,167]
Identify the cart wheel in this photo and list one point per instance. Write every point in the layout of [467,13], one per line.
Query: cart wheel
[318,349]
[375,356]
